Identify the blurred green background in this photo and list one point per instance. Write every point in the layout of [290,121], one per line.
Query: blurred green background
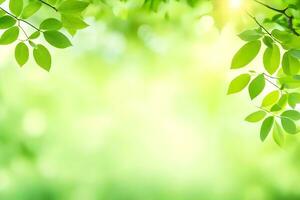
[137,110]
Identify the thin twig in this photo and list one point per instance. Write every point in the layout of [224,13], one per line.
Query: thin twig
[270,76]
[261,26]
[47,4]
[259,107]
[22,20]
[19,25]
[272,83]
[282,11]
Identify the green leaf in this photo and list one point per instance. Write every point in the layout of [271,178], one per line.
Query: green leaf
[271,98]
[73,22]
[266,127]
[290,64]
[42,57]
[288,125]
[282,36]
[239,83]
[268,41]
[9,36]
[290,82]
[256,86]
[34,35]
[278,135]
[292,114]
[271,59]
[16,7]
[72,6]
[294,99]
[57,39]
[51,24]
[256,116]
[280,104]
[31,9]
[7,22]
[21,53]
[246,54]
[250,35]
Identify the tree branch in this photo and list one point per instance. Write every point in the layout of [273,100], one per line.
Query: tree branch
[20,20]
[282,11]
[49,5]
[261,26]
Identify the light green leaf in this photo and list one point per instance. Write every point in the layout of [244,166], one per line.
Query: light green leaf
[72,6]
[256,86]
[271,59]
[9,36]
[16,7]
[73,22]
[250,35]
[256,116]
[290,64]
[42,57]
[239,83]
[278,135]
[266,127]
[31,9]
[271,98]
[281,104]
[246,54]
[21,53]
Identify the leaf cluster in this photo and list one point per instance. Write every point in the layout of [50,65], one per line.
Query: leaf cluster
[280,69]
[16,27]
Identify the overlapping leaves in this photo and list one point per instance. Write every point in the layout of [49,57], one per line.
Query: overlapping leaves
[29,36]
[280,69]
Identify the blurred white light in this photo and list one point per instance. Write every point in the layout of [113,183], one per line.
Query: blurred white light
[34,123]
[235,3]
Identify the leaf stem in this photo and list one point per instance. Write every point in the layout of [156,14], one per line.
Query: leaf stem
[19,25]
[270,76]
[269,112]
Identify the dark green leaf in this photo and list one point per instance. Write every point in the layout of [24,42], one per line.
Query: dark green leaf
[57,39]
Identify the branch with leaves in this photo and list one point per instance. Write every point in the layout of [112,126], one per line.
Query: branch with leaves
[16,20]
[281,58]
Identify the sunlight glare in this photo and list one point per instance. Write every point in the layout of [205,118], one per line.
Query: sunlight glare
[235,4]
